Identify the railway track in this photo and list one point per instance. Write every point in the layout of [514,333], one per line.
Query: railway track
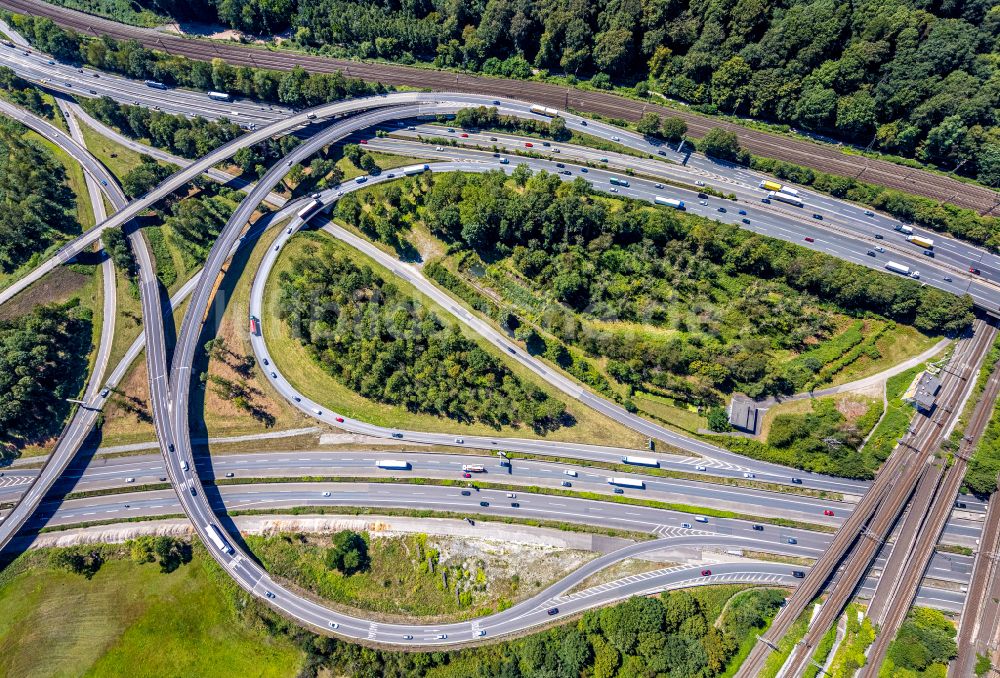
[926,521]
[957,381]
[812,154]
[865,530]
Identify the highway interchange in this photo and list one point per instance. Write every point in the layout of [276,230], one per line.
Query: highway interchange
[169,393]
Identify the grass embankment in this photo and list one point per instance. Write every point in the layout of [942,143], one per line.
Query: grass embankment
[130,620]
[117,158]
[309,378]
[416,576]
[896,419]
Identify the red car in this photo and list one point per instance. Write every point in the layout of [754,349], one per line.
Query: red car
[340,420]
[528,144]
[828,512]
[973,269]
[464,135]
[466,475]
[363,141]
[808,239]
[706,573]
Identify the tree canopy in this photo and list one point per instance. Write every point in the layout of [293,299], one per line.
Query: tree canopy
[37,201]
[370,336]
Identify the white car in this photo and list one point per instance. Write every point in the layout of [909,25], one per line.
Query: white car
[616,139]
[130,480]
[658,185]
[459,440]
[441,636]
[702,202]
[326,494]
[511,495]
[317,411]
[614,190]
[480,633]
[438,148]
[700,468]
[749,475]
[699,183]
[334,625]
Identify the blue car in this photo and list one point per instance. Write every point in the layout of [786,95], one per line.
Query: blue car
[743,212]
[722,209]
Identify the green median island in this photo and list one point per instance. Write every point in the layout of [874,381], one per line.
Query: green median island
[350,335]
[669,314]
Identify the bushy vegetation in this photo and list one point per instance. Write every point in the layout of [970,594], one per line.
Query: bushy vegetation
[130,58]
[904,77]
[984,467]
[38,205]
[922,648]
[42,357]
[679,306]
[349,553]
[144,177]
[371,337]
[23,93]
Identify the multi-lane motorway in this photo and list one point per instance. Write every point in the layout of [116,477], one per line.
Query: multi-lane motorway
[819,156]
[170,390]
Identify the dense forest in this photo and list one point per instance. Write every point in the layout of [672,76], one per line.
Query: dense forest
[373,338]
[38,204]
[41,353]
[912,78]
[678,305]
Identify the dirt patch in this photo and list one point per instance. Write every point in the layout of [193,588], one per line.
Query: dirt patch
[852,407]
[58,286]
[127,415]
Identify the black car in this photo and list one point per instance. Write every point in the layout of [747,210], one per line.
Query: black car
[871,253]
[798,574]
[703,195]
[797,481]
[466,493]
[722,209]
[553,610]
[559,164]
[879,236]
[759,528]
[619,490]
[746,221]
[929,253]
[661,152]
[484,503]
[818,216]
[514,504]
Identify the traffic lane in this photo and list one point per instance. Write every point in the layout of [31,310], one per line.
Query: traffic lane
[949,273]
[81,82]
[150,503]
[149,469]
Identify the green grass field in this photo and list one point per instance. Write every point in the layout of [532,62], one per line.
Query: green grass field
[117,158]
[308,377]
[131,620]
